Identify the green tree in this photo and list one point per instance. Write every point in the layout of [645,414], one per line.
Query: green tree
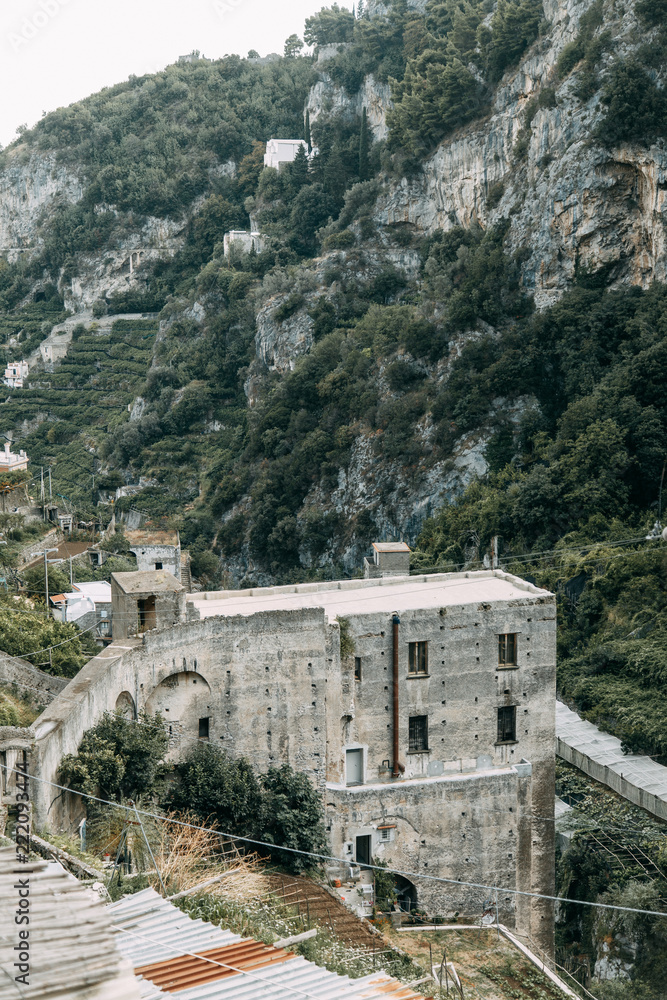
[119,758]
[293,47]
[514,27]
[330,25]
[214,785]
[651,12]
[636,107]
[292,816]
[26,627]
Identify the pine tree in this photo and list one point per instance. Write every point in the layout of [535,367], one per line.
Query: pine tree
[364,143]
[360,10]
[307,131]
[299,170]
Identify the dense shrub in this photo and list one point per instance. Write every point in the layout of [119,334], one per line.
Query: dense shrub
[280,807]
[636,107]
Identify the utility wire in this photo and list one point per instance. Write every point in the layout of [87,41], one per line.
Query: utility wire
[329,857]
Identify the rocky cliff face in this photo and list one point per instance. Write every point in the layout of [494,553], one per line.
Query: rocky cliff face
[572,203]
[372,95]
[29,185]
[124,267]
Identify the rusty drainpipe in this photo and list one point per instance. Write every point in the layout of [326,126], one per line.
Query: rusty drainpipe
[396,621]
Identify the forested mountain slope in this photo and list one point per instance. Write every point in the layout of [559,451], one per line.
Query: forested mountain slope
[458,314]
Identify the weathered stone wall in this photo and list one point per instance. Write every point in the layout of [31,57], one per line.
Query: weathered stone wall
[30,682]
[460,696]
[467,827]
[264,682]
[168,556]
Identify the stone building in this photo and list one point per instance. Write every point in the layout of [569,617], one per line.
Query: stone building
[155,550]
[15,373]
[389,559]
[143,601]
[429,730]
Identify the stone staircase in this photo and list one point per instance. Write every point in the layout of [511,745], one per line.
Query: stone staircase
[317,905]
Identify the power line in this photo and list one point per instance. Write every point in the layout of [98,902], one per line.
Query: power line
[329,857]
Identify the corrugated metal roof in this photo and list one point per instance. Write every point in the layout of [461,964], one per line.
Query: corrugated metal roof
[153,932]
[606,751]
[72,949]
[148,914]
[178,973]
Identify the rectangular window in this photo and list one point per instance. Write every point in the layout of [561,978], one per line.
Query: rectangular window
[507,650]
[203,728]
[418,658]
[158,565]
[386,833]
[507,724]
[418,733]
[357,668]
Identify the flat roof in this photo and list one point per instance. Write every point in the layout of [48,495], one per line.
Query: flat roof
[139,537]
[391,547]
[157,581]
[96,590]
[385,595]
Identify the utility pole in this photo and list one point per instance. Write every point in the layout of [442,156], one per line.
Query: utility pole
[71,581]
[50,490]
[45,553]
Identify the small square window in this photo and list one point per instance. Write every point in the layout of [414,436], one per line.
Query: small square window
[418,733]
[386,834]
[357,668]
[418,658]
[507,649]
[204,728]
[158,565]
[507,724]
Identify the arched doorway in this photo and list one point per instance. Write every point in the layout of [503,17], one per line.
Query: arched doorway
[406,894]
[125,706]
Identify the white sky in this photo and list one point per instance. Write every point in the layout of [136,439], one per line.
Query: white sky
[54,52]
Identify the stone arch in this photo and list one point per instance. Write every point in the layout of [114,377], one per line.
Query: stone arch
[125,705]
[406,893]
[184,699]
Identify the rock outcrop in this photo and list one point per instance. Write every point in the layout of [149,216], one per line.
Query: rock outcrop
[30,185]
[572,203]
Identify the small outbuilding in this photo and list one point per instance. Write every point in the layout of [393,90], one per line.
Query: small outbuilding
[145,600]
[389,559]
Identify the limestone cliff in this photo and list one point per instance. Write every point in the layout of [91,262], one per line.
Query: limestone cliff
[30,184]
[572,203]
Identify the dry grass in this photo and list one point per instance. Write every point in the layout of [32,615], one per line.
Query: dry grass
[186,858]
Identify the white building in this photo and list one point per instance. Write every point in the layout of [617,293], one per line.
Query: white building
[89,601]
[243,241]
[279,151]
[15,373]
[9,462]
